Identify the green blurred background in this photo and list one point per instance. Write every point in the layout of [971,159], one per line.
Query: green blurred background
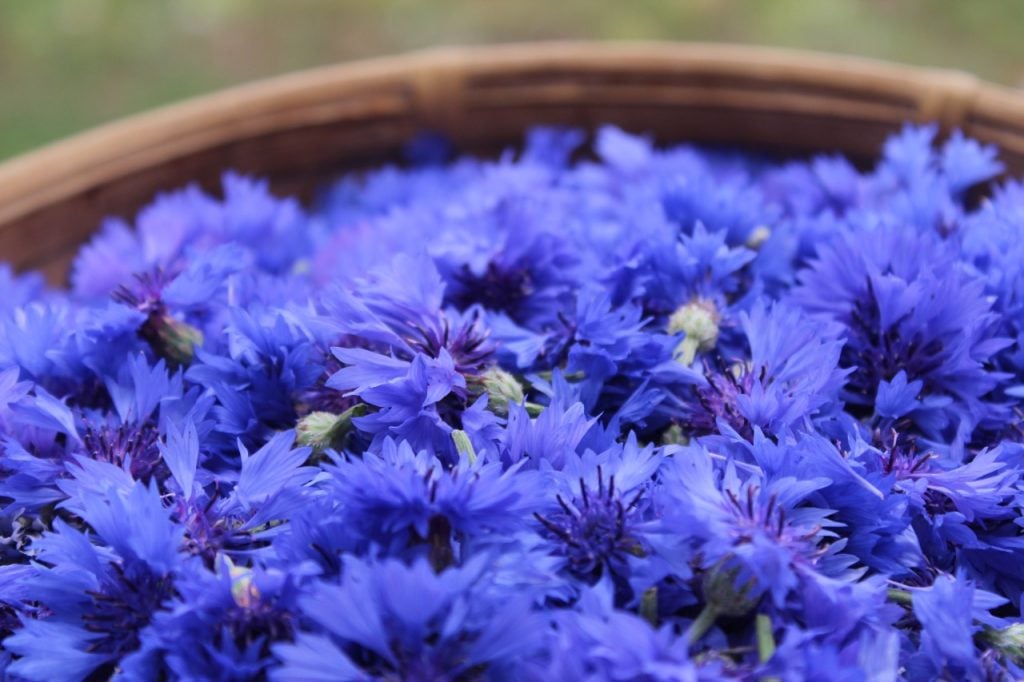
[66,65]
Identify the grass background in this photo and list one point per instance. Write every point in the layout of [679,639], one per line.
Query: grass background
[66,65]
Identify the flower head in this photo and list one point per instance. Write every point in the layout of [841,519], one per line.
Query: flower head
[905,308]
[388,619]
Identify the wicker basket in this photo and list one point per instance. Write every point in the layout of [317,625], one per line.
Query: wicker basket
[301,129]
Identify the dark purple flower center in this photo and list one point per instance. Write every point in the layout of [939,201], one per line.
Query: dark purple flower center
[320,398]
[144,294]
[594,530]
[753,519]
[135,445]
[123,606]
[208,534]
[497,288]
[261,621]
[718,401]
[468,344]
[879,354]
[902,456]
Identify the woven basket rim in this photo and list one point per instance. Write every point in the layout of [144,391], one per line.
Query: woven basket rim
[104,154]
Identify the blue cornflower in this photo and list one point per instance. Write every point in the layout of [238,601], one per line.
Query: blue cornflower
[602,341]
[32,338]
[518,264]
[550,437]
[171,301]
[409,504]
[755,536]
[20,289]
[911,163]
[162,230]
[34,461]
[835,630]
[11,391]
[551,145]
[876,519]
[733,205]
[614,356]
[950,611]
[991,249]
[260,377]
[404,355]
[222,624]
[143,398]
[669,273]
[178,226]
[388,619]
[793,376]
[907,308]
[593,528]
[233,512]
[597,641]
[623,152]
[94,601]
[810,655]
[599,520]
[966,515]
[268,488]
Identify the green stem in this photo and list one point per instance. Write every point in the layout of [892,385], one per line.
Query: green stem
[765,640]
[699,627]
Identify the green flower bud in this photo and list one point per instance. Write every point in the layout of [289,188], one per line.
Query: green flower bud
[724,596]
[674,435]
[758,237]
[698,320]
[322,430]
[501,388]
[171,338]
[1010,641]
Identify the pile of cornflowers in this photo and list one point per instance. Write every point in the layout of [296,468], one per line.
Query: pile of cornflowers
[628,414]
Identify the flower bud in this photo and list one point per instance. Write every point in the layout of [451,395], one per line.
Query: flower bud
[171,338]
[698,320]
[674,435]
[501,388]
[1010,641]
[243,588]
[323,430]
[724,596]
[758,237]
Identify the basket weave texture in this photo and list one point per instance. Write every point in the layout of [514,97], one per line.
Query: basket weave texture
[302,129]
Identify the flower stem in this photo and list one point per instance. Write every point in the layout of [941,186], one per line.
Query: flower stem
[649,606]
[765,640]
[699,627]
